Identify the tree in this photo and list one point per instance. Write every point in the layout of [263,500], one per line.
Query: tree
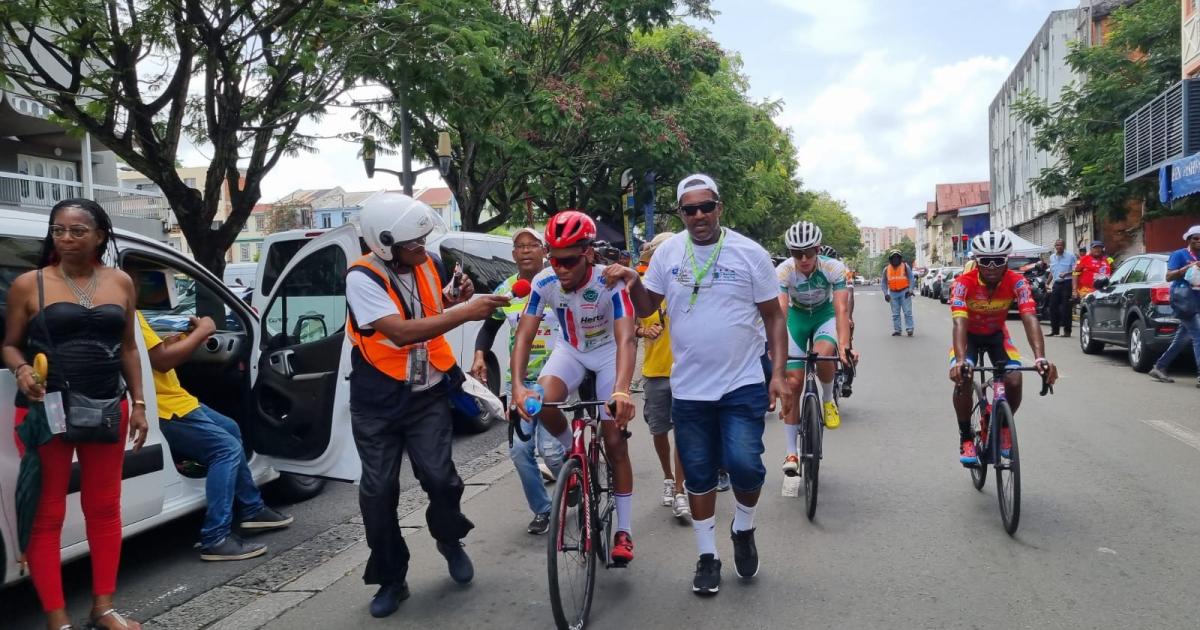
[285,215]
[908,249]
[839,228]
[236,76]
[498,85]
[1138,60]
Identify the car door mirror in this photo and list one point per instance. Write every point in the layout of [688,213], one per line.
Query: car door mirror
[310,327]
[1101,284]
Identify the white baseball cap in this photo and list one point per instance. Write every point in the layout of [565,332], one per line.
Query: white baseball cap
[536,234]
[697,181]
[1192,231]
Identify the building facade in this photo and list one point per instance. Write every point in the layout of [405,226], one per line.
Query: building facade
[876,241]
[955,207]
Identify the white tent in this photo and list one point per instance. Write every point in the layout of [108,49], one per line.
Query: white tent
[1022,247]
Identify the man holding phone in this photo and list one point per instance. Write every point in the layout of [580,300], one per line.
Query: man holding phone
[403,372]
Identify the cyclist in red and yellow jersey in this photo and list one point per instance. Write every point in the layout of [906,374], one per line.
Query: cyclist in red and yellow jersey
[979,302]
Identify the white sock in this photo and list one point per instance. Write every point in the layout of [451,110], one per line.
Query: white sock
[566,438]
[790,433]
[826,391]
[706,535]
[743,516]
[624,511]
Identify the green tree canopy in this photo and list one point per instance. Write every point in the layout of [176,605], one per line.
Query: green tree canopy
[1138,60]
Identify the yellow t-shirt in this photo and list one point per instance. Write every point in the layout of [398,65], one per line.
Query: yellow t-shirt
[658,359]
[173,399]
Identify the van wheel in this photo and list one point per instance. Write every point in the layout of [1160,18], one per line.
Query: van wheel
[293,488]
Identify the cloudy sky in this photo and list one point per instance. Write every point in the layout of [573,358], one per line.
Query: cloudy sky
[884,99]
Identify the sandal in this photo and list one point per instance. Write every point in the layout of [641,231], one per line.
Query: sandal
[112,612]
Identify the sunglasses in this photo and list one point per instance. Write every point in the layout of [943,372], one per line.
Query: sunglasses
[706,207]
[811,252]
[565,262]
[992,261]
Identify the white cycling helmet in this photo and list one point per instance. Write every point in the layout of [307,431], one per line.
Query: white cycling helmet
[802,235]
[391,218]
[992,243]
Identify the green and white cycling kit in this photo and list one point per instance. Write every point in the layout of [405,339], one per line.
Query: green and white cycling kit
[810,303]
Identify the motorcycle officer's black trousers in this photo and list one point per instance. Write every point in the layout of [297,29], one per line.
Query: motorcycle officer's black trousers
[424,429]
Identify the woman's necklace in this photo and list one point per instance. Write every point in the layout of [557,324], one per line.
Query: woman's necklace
[84,294]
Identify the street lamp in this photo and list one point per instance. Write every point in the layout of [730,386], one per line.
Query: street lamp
[406,175]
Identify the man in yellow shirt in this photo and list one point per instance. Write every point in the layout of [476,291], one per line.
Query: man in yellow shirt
[656,371]
[195,431]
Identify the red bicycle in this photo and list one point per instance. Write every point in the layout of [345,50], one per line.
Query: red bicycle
[581,517]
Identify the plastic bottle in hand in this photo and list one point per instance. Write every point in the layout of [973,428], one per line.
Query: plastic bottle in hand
[533,402]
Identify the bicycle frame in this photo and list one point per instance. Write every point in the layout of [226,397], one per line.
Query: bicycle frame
[586,447]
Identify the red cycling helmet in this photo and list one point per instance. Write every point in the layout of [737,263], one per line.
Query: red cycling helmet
[570,227]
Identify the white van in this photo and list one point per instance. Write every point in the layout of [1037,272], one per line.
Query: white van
[486,260]
[240,274]
[289,396]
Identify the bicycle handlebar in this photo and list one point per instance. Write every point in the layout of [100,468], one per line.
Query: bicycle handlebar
[514,418]
[1047,388]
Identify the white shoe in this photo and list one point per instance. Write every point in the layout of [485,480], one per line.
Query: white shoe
[791,487]
[547,476]
[682,509]
[668,494]
[791,465]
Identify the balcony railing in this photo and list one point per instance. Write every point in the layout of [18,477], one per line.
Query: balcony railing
[1163,130]
[41,193]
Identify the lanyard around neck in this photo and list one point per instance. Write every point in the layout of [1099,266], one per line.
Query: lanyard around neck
[699,273]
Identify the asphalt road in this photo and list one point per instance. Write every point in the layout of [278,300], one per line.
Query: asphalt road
[160,569]
[901,540]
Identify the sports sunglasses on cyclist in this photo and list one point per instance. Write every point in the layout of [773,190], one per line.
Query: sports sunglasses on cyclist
[707,207]
[992,261]
[566,262]
[810,252]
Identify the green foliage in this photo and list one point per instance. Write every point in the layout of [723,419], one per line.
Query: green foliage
[908,249]
[839,229]
[1139,60]
[237,76]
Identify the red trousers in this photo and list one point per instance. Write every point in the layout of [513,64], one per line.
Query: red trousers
[100,497]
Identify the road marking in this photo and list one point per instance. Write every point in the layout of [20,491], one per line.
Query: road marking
[1187,436]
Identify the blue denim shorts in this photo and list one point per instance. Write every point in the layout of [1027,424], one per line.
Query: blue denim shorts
[725,433]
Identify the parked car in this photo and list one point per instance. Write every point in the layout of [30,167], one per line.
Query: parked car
[486,260]
[928,280]
[943,283]
[1132,309]
[294,423]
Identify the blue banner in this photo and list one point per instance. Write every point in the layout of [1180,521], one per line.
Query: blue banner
[1182,179]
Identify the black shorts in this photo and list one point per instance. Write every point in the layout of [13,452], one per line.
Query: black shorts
[998,347]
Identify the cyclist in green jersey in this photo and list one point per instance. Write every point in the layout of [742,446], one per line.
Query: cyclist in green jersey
[812,291]
[530,255]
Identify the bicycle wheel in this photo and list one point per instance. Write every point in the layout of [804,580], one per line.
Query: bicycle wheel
[570,563]
[979,470]
[1008,468]
[602,510]
[810,418]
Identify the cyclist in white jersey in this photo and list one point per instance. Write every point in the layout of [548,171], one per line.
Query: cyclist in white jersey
[596,326]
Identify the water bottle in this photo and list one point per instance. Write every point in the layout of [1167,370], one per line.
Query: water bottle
[533,402]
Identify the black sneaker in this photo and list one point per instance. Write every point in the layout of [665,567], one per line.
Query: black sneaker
[266,519]
[232,548]
[457,561]
[745,553]
[387,599]
[708,575]
[539,524]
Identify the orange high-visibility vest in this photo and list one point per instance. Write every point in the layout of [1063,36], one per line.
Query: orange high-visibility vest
[375,347]
[897,277]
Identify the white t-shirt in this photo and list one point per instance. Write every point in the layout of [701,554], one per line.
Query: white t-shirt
[370,303]
[719,343]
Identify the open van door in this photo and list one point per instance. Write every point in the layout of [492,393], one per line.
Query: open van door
[301,396]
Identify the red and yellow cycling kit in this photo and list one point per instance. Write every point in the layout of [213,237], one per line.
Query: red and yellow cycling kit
[986,310]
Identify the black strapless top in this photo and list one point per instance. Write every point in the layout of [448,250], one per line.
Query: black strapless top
[86,350]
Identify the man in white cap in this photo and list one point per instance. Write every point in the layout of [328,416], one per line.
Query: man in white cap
[1183,272]
[720,289]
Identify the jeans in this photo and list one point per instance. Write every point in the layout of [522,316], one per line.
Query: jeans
[900,300]
[524,458]
[1189,331]
[421,427]
[1060,307]
[725,433]
[216,441]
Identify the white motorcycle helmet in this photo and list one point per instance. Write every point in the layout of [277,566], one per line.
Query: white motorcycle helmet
[391,218]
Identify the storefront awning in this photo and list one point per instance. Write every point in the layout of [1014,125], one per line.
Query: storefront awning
[1179,179]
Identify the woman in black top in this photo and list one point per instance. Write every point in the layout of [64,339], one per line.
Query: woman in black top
[90,315]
